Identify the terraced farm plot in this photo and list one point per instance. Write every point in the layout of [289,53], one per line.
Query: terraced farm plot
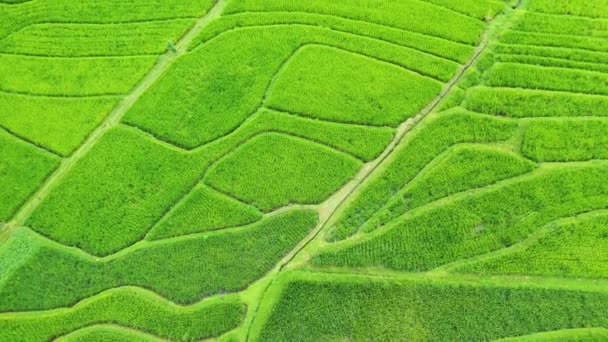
[247,170]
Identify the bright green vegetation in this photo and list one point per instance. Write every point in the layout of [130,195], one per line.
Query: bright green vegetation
[440,47]
[530,103]
[108,333]
[595,9]
[572,248]
[273,170]
[466,226]
[235,82]
[410,15]
[334,85]
[460,168]
[130,307]
[566,140]
[72,76]
[111,198]
[80,40]
[203,210]
[548,78]
[573,335]
[428,140]
[22,168]
[58,124]
[248,170]
[314,307]
[183,269]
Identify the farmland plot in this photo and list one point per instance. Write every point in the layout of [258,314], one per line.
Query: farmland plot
[247,170]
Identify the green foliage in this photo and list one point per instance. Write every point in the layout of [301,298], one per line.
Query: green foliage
[428,139]
[235,82]
[72,76]
[116,192]
[537,22]
[482,10]
[521,103]
[547,78]
[552,52]
[411,15]
[58,124]
[130,307]
[552,62]
[142,38]
[335,85]
[469,225]
[203,210]
[337,307]
[594,9]
[273,170]
[571,335]
[574,248]
[566,139]
[107,333]
[440,47]
[182,269]
[555,40]
[461,168]
[22,170]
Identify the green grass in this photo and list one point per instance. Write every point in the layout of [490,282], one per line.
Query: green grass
[183,270]
[468,225]
[552,62]
[551,52]
[315,307]
[58,124]
[410,15]
[203,210]
[546,78]
[72,76]
[573,248]
[23,168]
[144,38]
[460,168]
[335,85]
[428,140]
[556,40]
[566,140]
[537,22]
[521,103]
[482,10]
[114,195]
[130,307]
[273,170]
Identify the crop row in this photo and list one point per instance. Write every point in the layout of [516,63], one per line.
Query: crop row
[22,169]
[572,54]
[72,76]
[594,9]
[83,40]
[409,15]
[131,307]
[234,82]
[461,168]
[274,170]
[313,307]
[440,47]
[183,269]
[58,124]
[429,139]
[555,40]
[574,248]
[543,23]
[471,224]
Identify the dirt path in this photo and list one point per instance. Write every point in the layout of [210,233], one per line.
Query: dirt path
[113,119]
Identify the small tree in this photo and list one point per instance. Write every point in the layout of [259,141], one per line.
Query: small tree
[171,47]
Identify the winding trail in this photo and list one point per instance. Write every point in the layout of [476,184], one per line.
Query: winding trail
[113,119]
[329,209]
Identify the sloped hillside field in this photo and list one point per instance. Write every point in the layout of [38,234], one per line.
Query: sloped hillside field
[291,170]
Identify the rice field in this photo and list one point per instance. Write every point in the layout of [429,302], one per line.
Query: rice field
[247,170]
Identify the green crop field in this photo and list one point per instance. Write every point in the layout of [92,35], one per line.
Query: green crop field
[303,170]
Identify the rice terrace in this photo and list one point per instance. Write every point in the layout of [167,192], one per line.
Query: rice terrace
[303,170]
